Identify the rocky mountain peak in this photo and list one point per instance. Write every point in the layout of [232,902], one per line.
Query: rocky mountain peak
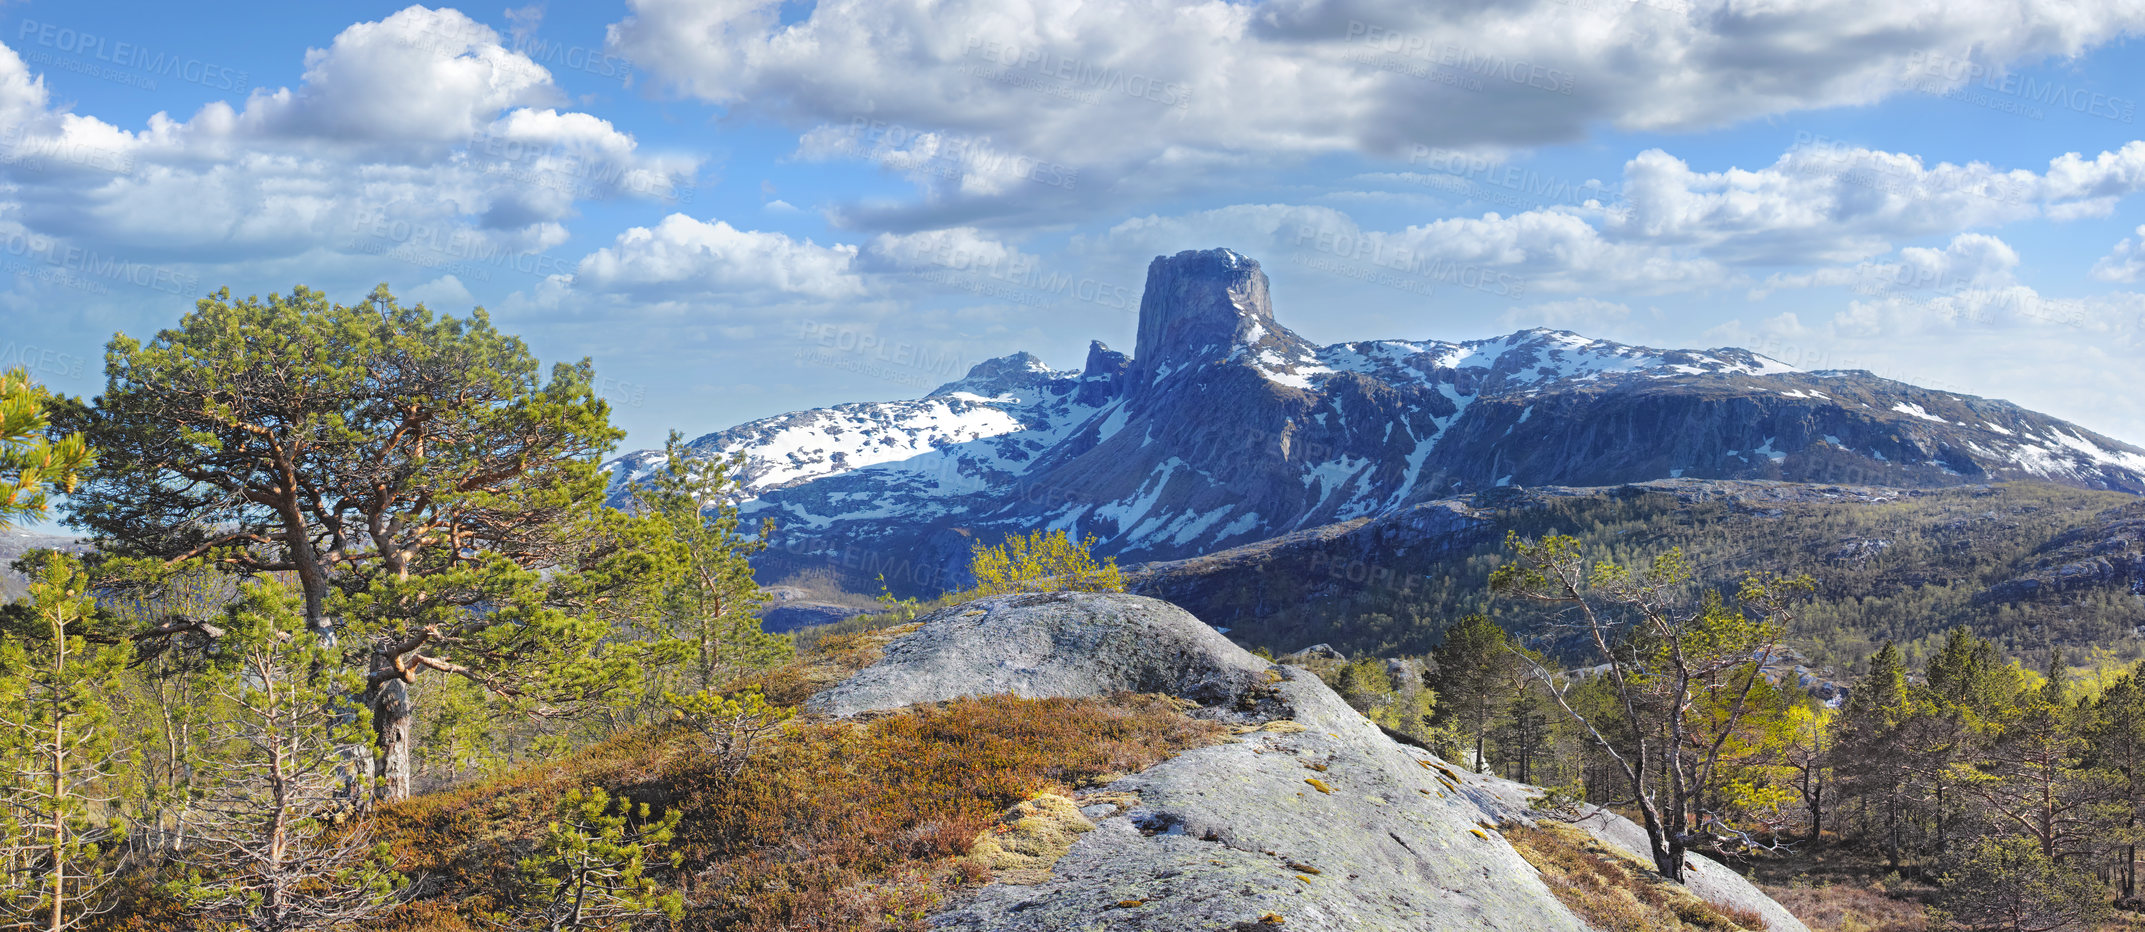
[1199,304]
[1103,378]
[1227,429]
[993,378]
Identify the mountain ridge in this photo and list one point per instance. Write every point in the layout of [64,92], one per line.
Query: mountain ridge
[1224,428]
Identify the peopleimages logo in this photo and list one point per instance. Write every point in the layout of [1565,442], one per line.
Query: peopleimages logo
[90,266]
[1480,168]
[1460,60]
[1015,61]
[1941,75]
[131,56]
[953,155]
[1368,253]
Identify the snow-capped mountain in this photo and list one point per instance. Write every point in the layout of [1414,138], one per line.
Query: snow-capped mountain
[1224,427]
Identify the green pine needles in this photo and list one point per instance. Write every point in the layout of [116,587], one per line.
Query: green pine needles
[591,871]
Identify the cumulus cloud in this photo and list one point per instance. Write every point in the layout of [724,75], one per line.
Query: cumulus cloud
[2067,357]
[1837,212]
[1127,92]
[2125,262]
[1970,260]
[683,258]
[420,135]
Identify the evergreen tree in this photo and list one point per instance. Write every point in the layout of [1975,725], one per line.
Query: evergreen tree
[2116,747]
[284,842]
[32,464]
[592,869]
[1681,669]
[59,756]
[1971,692]
[2030,775]
[1525,734]
[1868,747]
[2009,884]
[418,468]
[1478,677]
[710,600]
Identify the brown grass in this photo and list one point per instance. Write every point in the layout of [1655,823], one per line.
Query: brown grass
[1614,893]
[1837,907]
[837,825]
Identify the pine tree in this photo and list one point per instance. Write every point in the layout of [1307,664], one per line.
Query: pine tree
[1868,747]
[1681,671]
[2031,777]
[591,871]
[58,755]
[434,495]
[284,843]
[2009,884]
[2116,747]
[1527,730]
[709,600]
[32,464]
[1972,692]
[1478,676]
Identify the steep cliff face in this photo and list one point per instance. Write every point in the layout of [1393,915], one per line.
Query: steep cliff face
[1225,428]
[1311,819]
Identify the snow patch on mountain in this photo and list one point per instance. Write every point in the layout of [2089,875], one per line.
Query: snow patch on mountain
[1171,452]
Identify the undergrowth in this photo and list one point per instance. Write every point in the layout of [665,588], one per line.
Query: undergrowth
[837,825]
[1614,893]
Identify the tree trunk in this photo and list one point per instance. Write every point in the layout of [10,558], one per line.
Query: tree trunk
[391,722]
[1667,853]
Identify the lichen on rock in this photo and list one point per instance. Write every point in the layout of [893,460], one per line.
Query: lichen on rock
[1030,838]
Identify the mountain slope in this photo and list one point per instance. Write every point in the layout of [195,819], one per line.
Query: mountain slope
[1226,428]
[2029,565]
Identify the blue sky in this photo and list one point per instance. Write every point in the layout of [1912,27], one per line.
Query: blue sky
[740,208]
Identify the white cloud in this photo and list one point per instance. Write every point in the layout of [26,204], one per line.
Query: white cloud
[446,291]
[1814,204]
[2066,357]
[419,136]
[1970,260]
[682,258]
[2077,187]
[2125,262]
[418,79]
[1142,93]
[954,248]
[1549,250]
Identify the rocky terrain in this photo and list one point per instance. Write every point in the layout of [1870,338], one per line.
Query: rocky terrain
[1224,428]
[1312,818]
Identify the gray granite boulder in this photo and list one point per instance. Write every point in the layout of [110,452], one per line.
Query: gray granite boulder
[1311,815]
[1051,644]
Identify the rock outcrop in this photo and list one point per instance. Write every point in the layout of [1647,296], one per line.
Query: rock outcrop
[1072,644]
[1311,816]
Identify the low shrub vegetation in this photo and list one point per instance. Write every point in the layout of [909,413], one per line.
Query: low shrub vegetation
[828,825]
[1613,891]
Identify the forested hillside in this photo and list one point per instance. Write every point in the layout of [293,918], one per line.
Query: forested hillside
[2028,565]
